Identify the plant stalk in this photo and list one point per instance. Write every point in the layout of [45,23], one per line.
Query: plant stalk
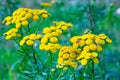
[92,70]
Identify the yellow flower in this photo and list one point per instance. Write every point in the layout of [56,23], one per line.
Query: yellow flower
[32,36]
[53,49]
[53,39]
[58,46]
[38,36]
[83,62]
[25,23]
[84,36]
[88,41]
[48,35]
[60,60]
[35,17]
[44,15]
[46,30]
[73,55]
[59,31]
[94,54]
[8,37]
[47,47]
[64,27]
[102,42]
[74,39]
[42,46]
[99,48]
[88,56]
[86,48]
[54,34]
[90,36]
[28,15]
[65,55]
[81,43]
[11,33]
[26,37]
[108,40]
[52,28]
[102,36]
[29,42]
[45,4]
[23,13]
[8,18]
[74,64]
[8,23]
[69,25]
[99,41]
[93,47]
[18,25]
[14,30]
[44,40]
[22,19]
[67,61]
[96,60]
[75,45]
[22,42]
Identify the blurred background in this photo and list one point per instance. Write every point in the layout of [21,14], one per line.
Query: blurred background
[103,14]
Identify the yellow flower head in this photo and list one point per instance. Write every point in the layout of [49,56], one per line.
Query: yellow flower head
[66,55]
[90,44]
[29,40]
[45,4]
[21,16]
[11,33]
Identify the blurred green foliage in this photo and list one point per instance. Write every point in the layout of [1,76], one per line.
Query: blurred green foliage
[102,16]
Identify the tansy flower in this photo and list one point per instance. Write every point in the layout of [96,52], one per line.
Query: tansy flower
[11,33]
[83,62]
[66,57]
[45,4]
[50,38]
[21,16]
[90,44]
[29,40]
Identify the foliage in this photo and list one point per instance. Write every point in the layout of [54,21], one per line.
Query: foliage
[39,47]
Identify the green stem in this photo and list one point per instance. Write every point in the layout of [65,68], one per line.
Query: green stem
[38,26]
[22,48]
[29,28]
[52,75]
[49,60]
[72,70]
[40,60]
[92,70]
[59,75]
[91,17]
[34,58]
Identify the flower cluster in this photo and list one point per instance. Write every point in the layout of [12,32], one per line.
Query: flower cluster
[11,33]
[67,57]
[29,40]
[21,16]
[50,39]
[90,44]
[45,4]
